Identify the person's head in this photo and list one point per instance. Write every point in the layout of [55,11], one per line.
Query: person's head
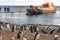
[31,6]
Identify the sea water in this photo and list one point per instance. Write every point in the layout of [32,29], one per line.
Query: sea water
[20,17]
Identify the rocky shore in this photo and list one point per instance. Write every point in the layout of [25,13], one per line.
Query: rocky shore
[10,31]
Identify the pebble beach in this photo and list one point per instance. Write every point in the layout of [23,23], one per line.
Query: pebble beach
[6,33]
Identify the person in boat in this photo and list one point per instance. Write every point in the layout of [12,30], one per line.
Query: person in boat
[34,9]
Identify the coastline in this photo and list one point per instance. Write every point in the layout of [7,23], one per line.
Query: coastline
[7,33]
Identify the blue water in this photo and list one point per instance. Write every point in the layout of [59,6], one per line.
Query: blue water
[21,18]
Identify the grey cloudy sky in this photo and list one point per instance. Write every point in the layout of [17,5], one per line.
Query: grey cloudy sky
[28,2]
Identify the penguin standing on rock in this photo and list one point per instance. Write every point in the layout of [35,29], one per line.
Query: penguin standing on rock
[8,26]
[0,37]
[37,29]
[24,38]
[36,37]
[1,28]
[52,31]
[13,28]
[47,28]
[27,28]
[58,30]
[31,29]
[20,34]
[22,28]
[56,37]
[12,38]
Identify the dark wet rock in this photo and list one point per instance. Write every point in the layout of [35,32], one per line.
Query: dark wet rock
[43,31]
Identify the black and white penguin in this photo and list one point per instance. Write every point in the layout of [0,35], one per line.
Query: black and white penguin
[12,38]
[24,38]
[0,37]
[36,37]
[56,37]
[52,31]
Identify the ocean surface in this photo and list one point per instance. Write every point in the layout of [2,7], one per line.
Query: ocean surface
[21,18]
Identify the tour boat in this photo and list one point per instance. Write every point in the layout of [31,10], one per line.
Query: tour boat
[44,9]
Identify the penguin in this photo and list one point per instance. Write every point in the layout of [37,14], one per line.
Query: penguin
[36,37]
[1,27]
[27,28]
[47,28]
[24,38]
[0,37]
[58,30]
[52,31]
[37,29]
[20,34]
[13,28]
[8,26]
[12,38]
[22,28]
[31,29]
[56,37]
[34,28]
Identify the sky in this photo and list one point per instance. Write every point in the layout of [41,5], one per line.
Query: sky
[28,2]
